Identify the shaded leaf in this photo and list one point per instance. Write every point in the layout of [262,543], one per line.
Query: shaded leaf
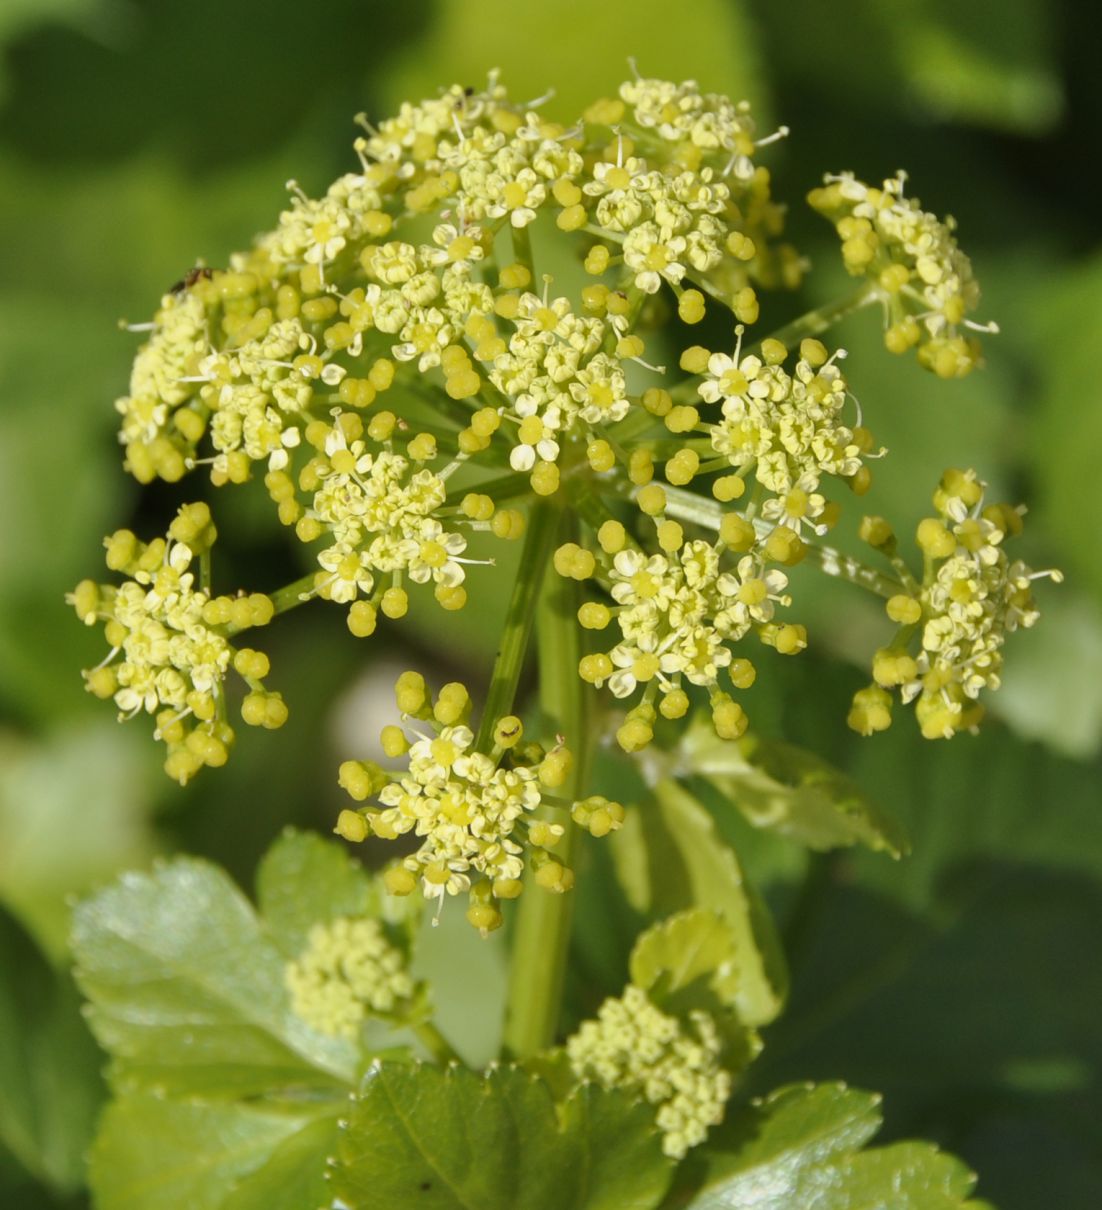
[1052,685]
[187,993]
[955,68]
[791,791]
[50,1086]
[456,1140]
[799,1147]
[668,857]
[91,781]
[179,1155]
[1068,428]
[469,979]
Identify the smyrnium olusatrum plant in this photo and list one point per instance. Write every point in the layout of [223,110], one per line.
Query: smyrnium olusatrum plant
[484,334]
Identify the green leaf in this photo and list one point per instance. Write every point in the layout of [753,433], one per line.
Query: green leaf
[691,946]
[799,1147]
[92,781]
[668,857]
[984,62]
[1067,433]
[791,791]
[50,1086]
[304,879]
[179,1155]
[1052,682]
[187,992]
[456,1140]
[40,562]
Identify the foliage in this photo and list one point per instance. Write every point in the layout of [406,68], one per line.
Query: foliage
[952,980]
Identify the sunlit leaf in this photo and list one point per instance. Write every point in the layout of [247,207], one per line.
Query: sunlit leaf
[800,1147]
[184,1155]
[677,952]
[456,1140]
[187,993]
[304,879]
[791,791]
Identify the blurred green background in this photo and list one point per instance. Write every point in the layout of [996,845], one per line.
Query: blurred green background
[136,137]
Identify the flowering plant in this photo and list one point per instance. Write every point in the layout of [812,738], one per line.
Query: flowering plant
[498,330]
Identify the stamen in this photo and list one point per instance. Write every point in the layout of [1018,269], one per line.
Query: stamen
[107,659]
[539,100]
[158,733]
[782,132]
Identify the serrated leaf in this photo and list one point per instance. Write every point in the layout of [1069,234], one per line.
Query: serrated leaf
[669,857]
[304,879]
[187,993]
[689,947]
[788,790]
[800,1147]
[179,1155]
[50,1086]
[456,1140]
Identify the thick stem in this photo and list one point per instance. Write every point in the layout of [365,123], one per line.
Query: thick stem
[539,544]
[542,935]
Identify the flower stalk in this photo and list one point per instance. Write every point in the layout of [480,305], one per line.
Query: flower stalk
[541,938]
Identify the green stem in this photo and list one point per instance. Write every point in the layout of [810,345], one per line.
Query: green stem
[633,425]
[539,544]
[822,318]
[522,251]
[290,596]
[435,1043]
[687,506]
[542,935]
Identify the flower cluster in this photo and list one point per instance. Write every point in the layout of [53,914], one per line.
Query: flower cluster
[676,1066]
[385,516]
[923,278]
[394,337]
[327,305]
[676,613]
[170,649]
[478,813]
[348,972]
[952,625]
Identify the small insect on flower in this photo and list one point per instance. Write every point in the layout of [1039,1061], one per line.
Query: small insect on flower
[194,274]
